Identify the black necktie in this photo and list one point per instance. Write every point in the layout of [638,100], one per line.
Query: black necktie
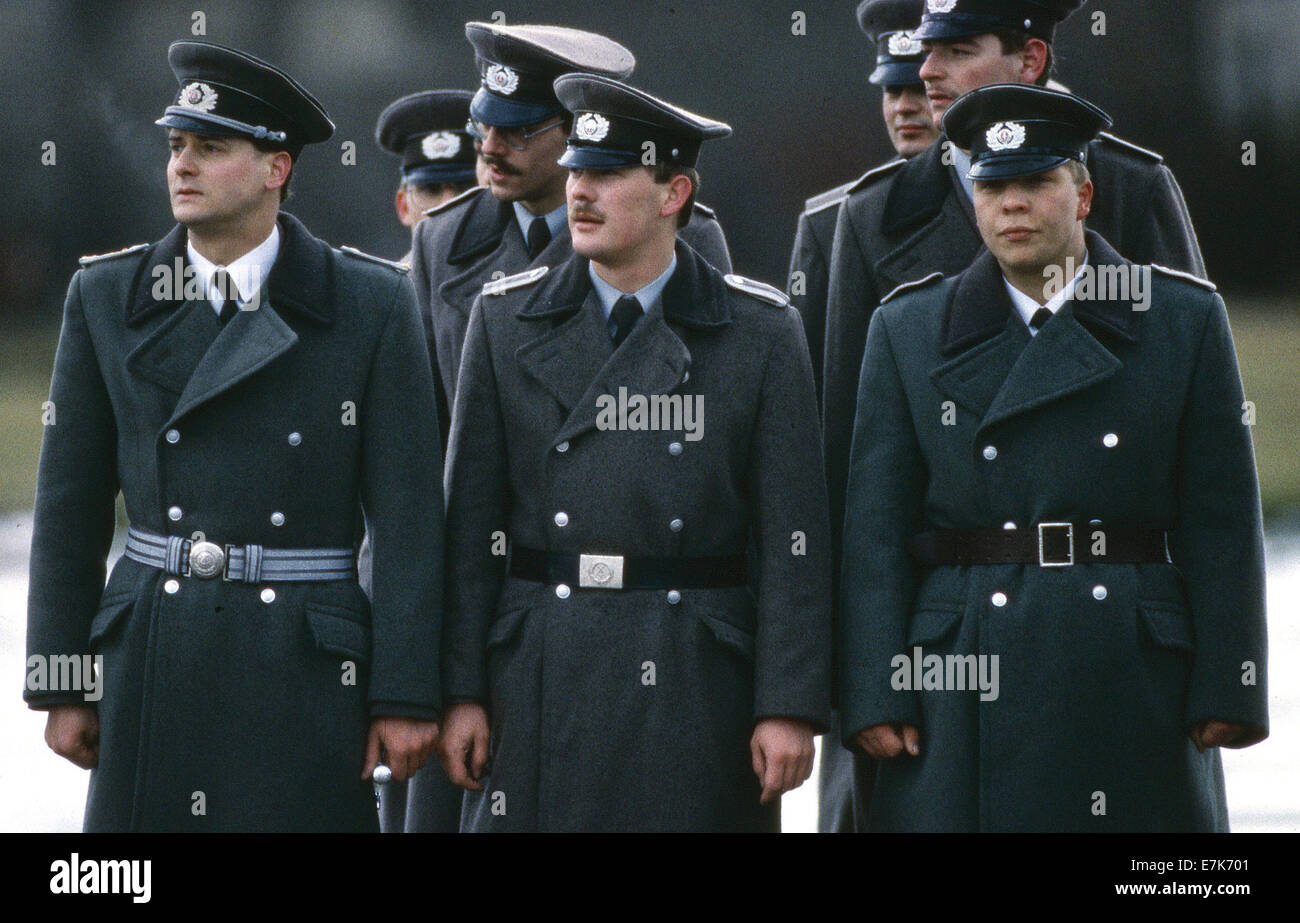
[1041,316]
[539,235]
[627,311]
[226,286]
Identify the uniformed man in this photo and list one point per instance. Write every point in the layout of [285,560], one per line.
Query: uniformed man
[213,379]
[915,217]
[637,675]
[519,221]
[427,130]
[889,25]
[1053,596]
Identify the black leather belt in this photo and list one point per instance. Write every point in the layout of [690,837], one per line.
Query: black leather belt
[1049,544]
[619,572]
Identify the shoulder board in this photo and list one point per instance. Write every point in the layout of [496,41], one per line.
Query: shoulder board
[866,179]
[453,202]
[96,257]
[828,198]
[705,210]
[519,279]
[361,254]
[908,286]
[1186,276]
[1130,147]
[760,290]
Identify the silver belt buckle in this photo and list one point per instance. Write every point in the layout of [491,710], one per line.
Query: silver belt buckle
[1069,537]
[600,571]
[206,560]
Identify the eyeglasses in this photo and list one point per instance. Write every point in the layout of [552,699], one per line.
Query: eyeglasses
[515,138]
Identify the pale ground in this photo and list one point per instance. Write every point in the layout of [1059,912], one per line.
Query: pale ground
[40,792]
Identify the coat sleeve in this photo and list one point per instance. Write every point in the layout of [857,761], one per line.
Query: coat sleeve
[886,495]
[808,291]
[706,238]
[477,507]
[1167,228]
[421,282]
[793,646]
[401,478]
[851,299]
[76,487]
[1218,540]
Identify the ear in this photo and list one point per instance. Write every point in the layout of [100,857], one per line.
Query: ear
[280,165]
[1033,60]
[402,205]
[1085,199]
[679,193]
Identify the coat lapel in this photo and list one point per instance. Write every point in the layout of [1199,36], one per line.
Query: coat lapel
[997,370]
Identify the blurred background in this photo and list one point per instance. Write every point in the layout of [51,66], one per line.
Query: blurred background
[1193,79]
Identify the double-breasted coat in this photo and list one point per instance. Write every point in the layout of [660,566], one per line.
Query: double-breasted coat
[633,709]
[1126,417]
[229,705]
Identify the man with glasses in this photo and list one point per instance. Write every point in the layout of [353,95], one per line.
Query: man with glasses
[521,130]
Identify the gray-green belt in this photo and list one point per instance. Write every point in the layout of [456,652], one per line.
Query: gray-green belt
[238,563]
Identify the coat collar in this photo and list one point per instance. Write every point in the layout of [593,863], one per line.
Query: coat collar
[574,359]
[299,281]
[996,370]
[918,191]
[481,229]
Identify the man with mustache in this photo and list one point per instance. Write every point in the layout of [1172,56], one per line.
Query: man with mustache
[907,120]
[654,654]
[247,389]
[518,222]
[1051,485]
[917,217]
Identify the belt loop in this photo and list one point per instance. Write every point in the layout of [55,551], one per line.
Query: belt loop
[175,555]
[252,563]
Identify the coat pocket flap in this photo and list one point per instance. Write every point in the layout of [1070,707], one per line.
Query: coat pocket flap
[337,630]
[110,612]
[739,640]
[1167,624]
[932,624]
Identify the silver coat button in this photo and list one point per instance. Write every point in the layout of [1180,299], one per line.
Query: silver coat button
[171,586]
[174,514]
[562,447]
[1110,440]
[990,453]
[674,448]
[676,525]
[1009,526]
[562,591]
[277,518]
[268,595]
[173,436]
[999,599]
[295,439]
[1099,592]
[561,519]
[674,597]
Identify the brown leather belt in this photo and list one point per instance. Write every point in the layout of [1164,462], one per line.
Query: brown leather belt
[1049,544]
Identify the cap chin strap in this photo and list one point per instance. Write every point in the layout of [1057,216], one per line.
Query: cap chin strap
[259,132]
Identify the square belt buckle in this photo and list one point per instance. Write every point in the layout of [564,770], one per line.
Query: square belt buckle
[1069,539]
[600,571]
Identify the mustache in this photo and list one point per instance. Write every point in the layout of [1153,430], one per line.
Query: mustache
[496,162]
[579,214]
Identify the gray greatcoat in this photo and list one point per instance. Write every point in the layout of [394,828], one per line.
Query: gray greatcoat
[1129,417]
[910,218]
[315,405]
[581,740]
[462,245]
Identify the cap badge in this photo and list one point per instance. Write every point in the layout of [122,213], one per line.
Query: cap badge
[591,127]
[902,44]
[942,6]
[198,96]
[440,145]
[1005,136]
[501,79]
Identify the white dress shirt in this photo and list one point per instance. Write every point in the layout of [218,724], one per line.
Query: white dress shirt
[247,273]
[1027,307]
